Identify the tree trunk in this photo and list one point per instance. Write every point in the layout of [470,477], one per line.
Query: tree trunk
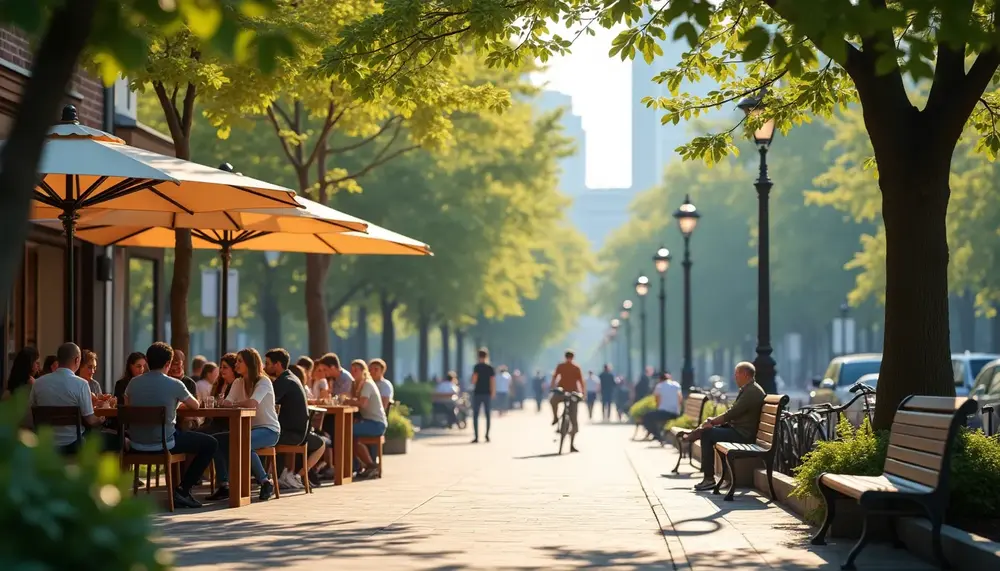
[51,72]
[445,349]
[388,306]
[459,352]
[966,307]
[270,313]
[423,326]
[917,355]
[318,327]
[180,282]
[362,331]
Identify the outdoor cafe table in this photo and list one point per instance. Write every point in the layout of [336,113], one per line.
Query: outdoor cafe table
[343,435]
[239,420]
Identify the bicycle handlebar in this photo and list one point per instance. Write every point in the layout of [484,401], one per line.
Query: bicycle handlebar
[859,386]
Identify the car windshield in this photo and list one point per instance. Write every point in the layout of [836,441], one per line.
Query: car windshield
[851,372]
[976,365]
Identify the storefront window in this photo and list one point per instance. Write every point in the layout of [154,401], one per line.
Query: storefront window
[142,302]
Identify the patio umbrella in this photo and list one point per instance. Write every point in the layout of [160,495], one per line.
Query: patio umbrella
[305,230]
[84,169]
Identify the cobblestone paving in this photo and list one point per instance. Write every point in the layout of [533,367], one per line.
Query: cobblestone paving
[509,504]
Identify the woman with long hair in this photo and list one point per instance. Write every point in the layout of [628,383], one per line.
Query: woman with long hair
[23,370]
[253,389]
[88,370]
[227,374]
[50,365]
[372,418]
[205,385]
[135,365]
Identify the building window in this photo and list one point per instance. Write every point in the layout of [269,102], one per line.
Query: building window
[142,296]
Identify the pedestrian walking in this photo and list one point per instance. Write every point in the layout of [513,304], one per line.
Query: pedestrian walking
[484,382]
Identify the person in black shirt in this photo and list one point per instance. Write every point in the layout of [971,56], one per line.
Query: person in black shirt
[484,380]
[608,387]
[293,416]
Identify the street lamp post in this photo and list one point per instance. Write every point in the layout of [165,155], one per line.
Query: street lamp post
[642,288]
[662,262]
[687,219]
[626,313]
[763,135]
[844,309]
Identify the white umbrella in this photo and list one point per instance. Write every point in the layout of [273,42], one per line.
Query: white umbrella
[84,169]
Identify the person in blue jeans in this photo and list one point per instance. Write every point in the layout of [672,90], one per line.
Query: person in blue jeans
[372,420]
[253,389]
[484,380]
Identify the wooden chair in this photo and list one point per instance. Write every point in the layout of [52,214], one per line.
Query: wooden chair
[763,448]
[694,407]
[129,416]
[58,416]
[291,451]
[271,466]
[377,442]
[916,470]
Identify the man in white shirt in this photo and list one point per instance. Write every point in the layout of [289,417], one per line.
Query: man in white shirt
[668,406]
[63,388]
[377,369]
[503,381]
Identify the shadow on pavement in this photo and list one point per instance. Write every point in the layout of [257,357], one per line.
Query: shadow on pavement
[621,559]
[250,544]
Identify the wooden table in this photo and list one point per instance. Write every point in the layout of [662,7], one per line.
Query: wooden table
[239,420]
[343,440]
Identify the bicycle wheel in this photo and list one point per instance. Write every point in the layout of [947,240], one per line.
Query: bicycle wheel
[563,429]
[811,431]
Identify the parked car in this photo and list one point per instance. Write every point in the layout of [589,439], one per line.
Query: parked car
[966,367]
[986,391]
[841,374]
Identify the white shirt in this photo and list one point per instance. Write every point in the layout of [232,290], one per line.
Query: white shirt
[374,409]
[263,393]
[593,383]
[668,392]
[446,388]
[503,382]
[62,388]
[385,388]
[204,389]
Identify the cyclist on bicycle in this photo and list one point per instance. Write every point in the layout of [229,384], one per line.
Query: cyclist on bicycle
[569,378]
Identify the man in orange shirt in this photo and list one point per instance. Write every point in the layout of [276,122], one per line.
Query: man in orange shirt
[569,378]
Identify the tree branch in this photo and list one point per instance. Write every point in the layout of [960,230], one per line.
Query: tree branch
[328,123]
[284,144]
[366,140]
[187,118]
[949,69]
[169,110]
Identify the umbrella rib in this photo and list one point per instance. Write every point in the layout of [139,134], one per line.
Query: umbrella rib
[50,191]
[92,188]
[289,202]
[328,244]
[113,191]
[231,219]
[125,237]
[168,199]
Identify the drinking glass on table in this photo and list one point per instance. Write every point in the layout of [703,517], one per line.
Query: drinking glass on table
[209,401]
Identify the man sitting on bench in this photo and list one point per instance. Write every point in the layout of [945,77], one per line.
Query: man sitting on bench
[738,424]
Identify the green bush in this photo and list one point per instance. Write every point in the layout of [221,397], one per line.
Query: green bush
[416,396]
[641,407]
[56,516]
[975,467]
[683,421]
[399,426]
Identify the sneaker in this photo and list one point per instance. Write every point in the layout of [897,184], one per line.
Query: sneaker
[327,473]
[296,482]
[573,449]
[284,483]
[220,494]
[266,489]
[487,438]
[705,485]
[474,441]
[185,500]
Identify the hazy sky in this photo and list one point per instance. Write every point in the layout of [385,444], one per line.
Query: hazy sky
[601,89]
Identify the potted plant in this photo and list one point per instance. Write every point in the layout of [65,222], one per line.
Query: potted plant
[398,431]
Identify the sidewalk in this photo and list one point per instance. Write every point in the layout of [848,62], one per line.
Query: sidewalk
[510,504]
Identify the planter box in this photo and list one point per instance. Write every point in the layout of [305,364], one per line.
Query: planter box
[394,446]
[962,549]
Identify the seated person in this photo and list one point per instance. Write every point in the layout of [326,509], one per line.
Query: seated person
[372,419]
[377,370]
[156,388]
[63,388]
[668,406]
[738,424]
[253,389]
[444,397]
[290,395]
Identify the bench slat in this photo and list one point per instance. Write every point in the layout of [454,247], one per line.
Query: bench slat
[917,443]
[768,418]
[923,459]
[763,443]
[773,399]
[935,404]
[769,409]
[911,472]
[928,419]
[921,431]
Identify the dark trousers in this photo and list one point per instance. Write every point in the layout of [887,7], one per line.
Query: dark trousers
[709,438]
[654,420]
[606,398]
[480,401]
[200,448]
[109,442]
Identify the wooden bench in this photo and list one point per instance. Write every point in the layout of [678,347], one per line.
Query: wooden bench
[916,470]
[694,408]
[763,448]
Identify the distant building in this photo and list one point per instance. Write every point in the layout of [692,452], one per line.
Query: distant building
[573,180]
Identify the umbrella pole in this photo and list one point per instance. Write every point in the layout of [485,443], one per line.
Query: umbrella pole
[68,218]
[226,256]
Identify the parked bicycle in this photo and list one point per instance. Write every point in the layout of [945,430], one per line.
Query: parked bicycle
[803,428]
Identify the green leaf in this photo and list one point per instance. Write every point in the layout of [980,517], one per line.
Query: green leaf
[757,40]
